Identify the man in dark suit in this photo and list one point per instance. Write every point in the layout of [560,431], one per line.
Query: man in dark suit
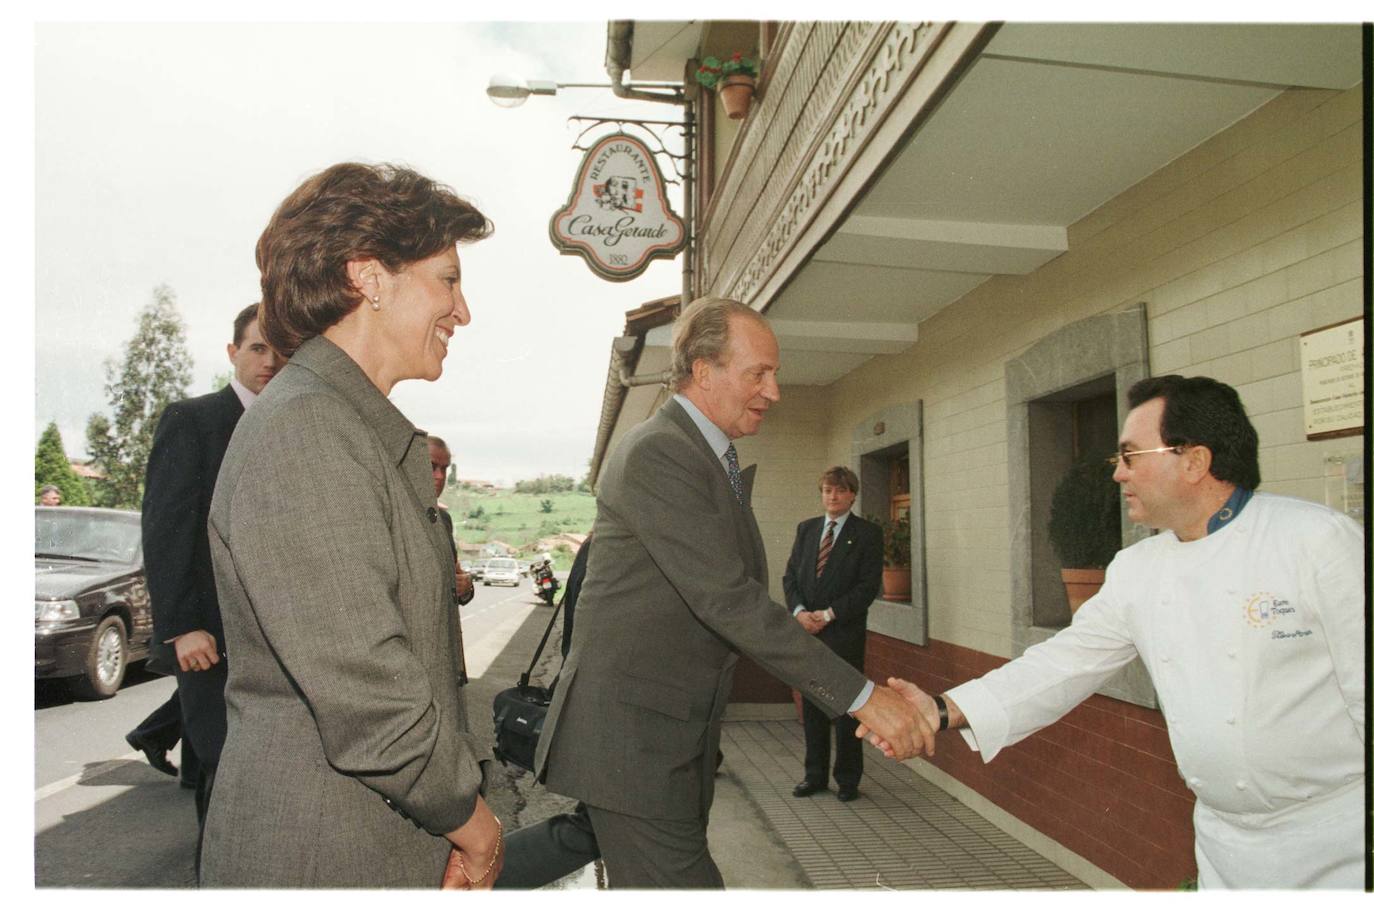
[675,592]
[189,445]
[833,575]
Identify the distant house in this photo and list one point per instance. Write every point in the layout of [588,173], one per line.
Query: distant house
[498,549]
[571,541]
[87,471]
[468,484]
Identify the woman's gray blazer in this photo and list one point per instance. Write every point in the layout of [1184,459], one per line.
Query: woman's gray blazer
[348,754]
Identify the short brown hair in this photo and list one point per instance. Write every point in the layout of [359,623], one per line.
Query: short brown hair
[242,320]
[840,476]
[702,331]
[350,211]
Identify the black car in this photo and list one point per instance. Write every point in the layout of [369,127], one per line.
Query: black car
[92,617]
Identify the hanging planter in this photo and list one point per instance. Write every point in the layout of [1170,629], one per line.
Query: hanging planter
[736,92]
[733,79]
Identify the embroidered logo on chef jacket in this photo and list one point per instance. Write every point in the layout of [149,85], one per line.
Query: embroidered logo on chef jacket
[1263,610]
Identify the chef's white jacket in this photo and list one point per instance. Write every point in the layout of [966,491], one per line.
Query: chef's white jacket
[1254,638]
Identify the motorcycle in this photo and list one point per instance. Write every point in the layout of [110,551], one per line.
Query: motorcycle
[545,585]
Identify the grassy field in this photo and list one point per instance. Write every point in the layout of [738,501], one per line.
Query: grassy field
[517,518]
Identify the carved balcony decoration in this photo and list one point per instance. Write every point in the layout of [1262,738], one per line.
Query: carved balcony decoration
[831,87]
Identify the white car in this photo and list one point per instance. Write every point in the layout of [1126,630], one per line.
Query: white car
[501,571]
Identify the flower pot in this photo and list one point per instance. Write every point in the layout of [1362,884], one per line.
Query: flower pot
[896,583]
[1081,584]
[736,91]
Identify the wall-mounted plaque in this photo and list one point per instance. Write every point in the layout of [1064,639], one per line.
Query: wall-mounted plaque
[1333,380]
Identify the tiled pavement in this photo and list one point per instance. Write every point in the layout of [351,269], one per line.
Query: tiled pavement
[901,833]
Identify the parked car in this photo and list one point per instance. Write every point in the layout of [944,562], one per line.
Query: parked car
[92,616]
[475,568]
[502,571]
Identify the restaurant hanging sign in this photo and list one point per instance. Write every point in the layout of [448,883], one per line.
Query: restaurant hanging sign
[618,217]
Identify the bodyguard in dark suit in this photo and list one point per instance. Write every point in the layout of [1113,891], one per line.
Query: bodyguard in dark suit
[189,445]
[833,575]
[675,592]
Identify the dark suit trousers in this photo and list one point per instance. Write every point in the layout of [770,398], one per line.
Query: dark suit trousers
[849,750]
[541,853]
[162,727]
[647,853]
[203,727]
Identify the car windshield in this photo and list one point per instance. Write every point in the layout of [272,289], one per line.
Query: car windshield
[86,535]
[501,564]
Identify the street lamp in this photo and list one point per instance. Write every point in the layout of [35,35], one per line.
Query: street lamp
[508,91]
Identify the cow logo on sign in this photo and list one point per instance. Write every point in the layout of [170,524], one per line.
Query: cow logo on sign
[618,218]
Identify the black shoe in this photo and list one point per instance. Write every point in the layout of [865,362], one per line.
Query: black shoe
[847,793]
[807,787]
[157,756]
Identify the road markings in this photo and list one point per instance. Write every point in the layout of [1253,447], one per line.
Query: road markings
[53,788]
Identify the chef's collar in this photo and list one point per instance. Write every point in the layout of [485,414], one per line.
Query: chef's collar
[1229,510]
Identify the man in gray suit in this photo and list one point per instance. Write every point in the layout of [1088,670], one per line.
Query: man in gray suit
[675,592]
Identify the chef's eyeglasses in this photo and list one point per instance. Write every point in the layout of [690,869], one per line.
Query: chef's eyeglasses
[1125,457]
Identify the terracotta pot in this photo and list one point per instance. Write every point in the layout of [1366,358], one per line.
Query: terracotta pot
[736,92]
[1081,584]
[896,583]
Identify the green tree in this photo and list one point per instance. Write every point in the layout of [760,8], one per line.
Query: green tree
[546,505]
[50,466]
[156,371]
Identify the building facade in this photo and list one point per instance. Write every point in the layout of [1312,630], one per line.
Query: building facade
[970,240]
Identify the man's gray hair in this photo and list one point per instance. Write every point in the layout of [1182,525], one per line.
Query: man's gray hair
[702,331]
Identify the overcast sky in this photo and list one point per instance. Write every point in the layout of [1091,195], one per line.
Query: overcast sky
[161,151]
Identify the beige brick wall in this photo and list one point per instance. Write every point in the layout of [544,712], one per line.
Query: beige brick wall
[1236,248]
[791,451]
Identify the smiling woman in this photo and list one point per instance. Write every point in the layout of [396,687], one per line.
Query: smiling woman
[346,717]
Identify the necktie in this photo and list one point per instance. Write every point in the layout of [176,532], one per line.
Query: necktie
[826,543]
[732,471]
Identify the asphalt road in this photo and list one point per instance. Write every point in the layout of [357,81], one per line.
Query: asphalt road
[103,818]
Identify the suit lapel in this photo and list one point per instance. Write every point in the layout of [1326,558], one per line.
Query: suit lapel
[750,540]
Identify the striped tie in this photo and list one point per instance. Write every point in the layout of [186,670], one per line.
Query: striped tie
[826,543]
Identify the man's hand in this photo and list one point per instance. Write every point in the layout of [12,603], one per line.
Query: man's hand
[196,651]
[478,852]
[924,704]
[811,621]
[893,723]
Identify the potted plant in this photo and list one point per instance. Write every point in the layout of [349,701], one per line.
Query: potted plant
[897,559]
[733,79]
[1085,527]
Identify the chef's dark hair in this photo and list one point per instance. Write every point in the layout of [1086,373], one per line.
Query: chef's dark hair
[1202,411]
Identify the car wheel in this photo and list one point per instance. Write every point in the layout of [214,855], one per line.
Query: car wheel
[106,661]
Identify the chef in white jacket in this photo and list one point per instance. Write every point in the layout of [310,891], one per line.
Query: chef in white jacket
[1248,611]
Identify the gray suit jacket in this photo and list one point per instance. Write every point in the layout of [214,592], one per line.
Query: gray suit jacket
[675,590]
[348,753]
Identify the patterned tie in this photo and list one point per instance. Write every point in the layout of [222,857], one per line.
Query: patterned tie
[826,543]
[732,471]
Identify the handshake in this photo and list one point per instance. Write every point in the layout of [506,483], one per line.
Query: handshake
[901,720]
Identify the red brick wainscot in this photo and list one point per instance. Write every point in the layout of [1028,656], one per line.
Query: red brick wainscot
[1102,781]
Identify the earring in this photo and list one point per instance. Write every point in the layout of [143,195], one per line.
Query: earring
[376,303]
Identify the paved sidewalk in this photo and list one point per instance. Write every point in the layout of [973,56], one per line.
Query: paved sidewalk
[901,833]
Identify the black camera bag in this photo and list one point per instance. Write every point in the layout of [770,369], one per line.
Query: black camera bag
[518,712]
